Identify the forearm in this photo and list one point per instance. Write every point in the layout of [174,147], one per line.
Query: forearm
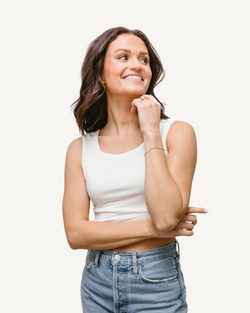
[105,235]
[163,197]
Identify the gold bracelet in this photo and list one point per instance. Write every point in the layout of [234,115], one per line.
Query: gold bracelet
[154,148]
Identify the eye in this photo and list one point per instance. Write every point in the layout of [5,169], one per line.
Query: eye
[144,60]
[123,57]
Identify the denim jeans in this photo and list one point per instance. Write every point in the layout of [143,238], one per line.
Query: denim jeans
[126,282]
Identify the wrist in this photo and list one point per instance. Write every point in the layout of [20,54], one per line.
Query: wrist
[152,139]
[151,229]
[151,134]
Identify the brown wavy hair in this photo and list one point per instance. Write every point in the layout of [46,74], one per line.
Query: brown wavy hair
[90,109]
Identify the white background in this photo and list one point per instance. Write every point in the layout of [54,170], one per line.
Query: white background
[204,47]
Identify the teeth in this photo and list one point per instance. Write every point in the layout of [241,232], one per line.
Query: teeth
[134,77]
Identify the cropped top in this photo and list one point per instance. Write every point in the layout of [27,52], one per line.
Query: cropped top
[115,182]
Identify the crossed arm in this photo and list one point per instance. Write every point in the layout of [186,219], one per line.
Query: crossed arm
[167,180]
[84,234]
[167,188]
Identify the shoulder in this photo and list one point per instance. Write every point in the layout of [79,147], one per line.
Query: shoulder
[180,133]
[74,151]
[75,145]
[179,127]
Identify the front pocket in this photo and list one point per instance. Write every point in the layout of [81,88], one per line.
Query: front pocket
[157,281]
[159,271]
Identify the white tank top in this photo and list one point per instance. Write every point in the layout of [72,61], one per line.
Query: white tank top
[115,182]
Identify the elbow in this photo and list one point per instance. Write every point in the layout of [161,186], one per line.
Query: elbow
[166,225]
[77,237]
[73,242]
[73,246]
[171,220]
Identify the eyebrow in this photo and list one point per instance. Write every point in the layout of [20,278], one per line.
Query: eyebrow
[129,51]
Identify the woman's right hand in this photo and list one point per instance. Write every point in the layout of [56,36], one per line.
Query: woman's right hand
[185,226]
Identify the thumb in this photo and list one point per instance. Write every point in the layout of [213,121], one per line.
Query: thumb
[133,108]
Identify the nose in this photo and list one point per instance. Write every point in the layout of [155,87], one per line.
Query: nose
[135,64]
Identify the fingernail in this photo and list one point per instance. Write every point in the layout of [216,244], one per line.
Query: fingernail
[206,211]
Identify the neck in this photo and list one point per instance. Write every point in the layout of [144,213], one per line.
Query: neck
[120,118]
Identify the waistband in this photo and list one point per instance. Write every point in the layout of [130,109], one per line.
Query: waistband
[135,258]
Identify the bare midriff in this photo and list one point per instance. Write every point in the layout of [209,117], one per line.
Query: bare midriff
[147,244]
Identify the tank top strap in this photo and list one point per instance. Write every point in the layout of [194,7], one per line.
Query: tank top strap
[164,128]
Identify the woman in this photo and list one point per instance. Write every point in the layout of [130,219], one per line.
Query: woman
[140,196]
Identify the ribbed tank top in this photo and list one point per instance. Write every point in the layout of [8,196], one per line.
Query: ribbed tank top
[115,182]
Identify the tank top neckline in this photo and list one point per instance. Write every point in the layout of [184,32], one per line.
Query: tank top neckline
[115,154]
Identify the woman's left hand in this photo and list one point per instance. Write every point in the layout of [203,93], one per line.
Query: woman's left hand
[186,225]
[189,220]
[149,113]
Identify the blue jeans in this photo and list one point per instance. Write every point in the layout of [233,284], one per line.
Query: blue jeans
[127,282]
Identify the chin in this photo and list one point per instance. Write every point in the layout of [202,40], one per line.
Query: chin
[135,93]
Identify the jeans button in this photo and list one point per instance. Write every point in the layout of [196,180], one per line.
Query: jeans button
[117,257]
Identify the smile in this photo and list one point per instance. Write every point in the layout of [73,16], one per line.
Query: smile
[133,77]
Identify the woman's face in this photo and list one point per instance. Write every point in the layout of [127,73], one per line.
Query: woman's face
[126,69]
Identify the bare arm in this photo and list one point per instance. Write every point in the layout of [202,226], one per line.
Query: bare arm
[84,234]
[167,180]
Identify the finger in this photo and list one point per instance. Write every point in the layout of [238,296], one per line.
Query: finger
[195,221]
[133,108]
[190,218]
[193,209]
[150,100]
[187,226]
[182,232]
[149,97]
[137,102]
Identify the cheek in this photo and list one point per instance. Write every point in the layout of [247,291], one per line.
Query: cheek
[107,70]
[149,78]
[149,74]
[111,68]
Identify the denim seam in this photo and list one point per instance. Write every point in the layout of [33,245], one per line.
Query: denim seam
[155,281]
[115,292]
[91,259]
[181,290]
[156,258]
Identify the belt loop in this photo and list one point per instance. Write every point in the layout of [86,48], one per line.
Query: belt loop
[97,257]
[178,249]
[134,264]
